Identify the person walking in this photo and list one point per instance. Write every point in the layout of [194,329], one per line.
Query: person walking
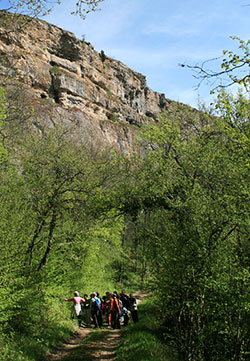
[86,311]
[108,304]
[126,305]
[99,305]
[133,308]
[94,309]
[77,300]
[114,311]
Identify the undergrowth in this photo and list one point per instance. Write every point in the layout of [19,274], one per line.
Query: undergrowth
[141,341]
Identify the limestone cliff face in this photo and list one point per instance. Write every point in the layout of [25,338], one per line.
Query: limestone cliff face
[106,100]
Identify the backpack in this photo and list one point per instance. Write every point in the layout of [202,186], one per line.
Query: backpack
[98,303]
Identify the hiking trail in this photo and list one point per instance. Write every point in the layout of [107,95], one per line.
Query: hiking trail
[100,345]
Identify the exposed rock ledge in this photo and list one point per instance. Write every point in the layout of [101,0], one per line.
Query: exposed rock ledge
[103,98]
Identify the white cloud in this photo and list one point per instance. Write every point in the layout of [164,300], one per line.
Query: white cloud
[99,27]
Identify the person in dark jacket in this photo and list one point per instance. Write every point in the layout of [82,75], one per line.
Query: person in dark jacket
[126,305]
[133,308]
[86,311]
[99,305]
[94,310]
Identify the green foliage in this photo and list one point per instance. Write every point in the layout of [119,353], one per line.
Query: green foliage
[36,7]
[59,232]
[56,71]
[102,56]
[85,7]
[235,110]
[234,68]
[196,173]
[42,7]
[232,62]
[115,118]
[141,341]
[3,151]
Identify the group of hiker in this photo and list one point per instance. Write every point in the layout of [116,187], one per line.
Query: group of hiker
[112,308]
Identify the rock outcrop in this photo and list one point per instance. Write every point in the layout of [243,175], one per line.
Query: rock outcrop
[73,84]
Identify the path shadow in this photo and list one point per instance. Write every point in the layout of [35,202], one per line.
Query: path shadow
[98,346]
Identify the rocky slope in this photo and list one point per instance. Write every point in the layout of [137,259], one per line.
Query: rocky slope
[71,83]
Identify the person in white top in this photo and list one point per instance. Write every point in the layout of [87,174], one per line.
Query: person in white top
[77,305]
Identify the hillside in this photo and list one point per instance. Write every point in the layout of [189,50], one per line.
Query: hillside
[104,98]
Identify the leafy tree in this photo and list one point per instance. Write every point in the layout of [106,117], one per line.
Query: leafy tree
[59,231]
[43,7]
[3,152]
[102,56]
[62,180]
[234,68]
[195,175]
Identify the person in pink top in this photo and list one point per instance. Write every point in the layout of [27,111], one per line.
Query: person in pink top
[77,305]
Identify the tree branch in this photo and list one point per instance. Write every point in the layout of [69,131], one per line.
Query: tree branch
[50,241]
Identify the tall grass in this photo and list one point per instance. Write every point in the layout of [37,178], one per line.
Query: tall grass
[142,341]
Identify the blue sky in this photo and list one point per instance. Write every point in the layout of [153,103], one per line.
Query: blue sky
[154,36]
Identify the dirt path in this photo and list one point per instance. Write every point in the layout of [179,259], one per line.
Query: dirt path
[100,345]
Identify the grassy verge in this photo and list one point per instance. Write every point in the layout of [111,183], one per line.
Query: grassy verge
[141,341]
[34,347]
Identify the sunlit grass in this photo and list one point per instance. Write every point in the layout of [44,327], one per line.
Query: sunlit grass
[140,341]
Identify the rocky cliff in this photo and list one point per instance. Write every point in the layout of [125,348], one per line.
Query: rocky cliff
[74,84]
